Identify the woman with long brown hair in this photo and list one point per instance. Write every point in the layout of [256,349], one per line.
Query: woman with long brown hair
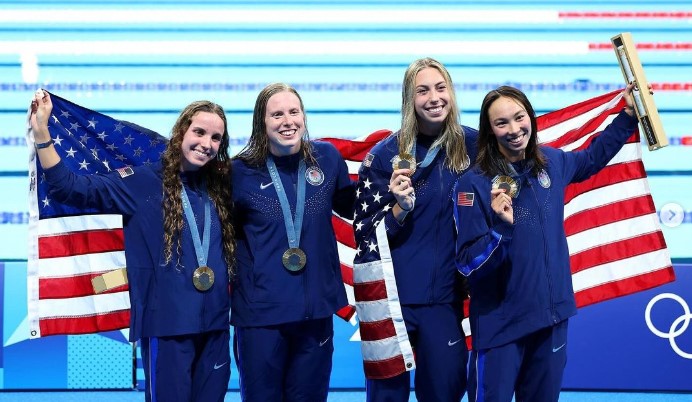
[179,246]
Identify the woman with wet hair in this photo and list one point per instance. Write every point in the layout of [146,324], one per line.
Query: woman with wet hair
[289,281]
[179,246]
[404,216]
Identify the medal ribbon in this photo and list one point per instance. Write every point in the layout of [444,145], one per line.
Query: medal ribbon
[201,245]
[293,229]
[429,157]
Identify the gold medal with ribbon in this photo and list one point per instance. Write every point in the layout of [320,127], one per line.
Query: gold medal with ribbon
[203,278]
[294,259]
[508,184]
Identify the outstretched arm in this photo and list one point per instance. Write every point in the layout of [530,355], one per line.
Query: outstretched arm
[41,108]
[585,163]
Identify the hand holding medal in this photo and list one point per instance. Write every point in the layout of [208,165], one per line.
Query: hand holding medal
[401,187]
[504,188]
[501,203]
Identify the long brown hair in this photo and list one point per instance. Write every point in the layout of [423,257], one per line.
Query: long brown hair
[256,150]
[216,174]
[490,160]
[452,136]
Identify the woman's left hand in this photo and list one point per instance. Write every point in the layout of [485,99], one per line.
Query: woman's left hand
[629,101]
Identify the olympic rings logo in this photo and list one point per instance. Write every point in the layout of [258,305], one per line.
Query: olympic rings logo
[676,328]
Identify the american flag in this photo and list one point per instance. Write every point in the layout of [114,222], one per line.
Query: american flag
[465,199]
[68,246]
[615,240]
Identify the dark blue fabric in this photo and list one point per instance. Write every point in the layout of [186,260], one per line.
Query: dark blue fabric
[422,247]
[287,362]
[523,282]
[439,344]
[264,291]
[187,368]
[530,368]
[164,301]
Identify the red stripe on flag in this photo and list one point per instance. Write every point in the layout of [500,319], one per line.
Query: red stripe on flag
[633,139]
[347,273]
[618,173]
[578,134]
[617,251]
[355,150]
[381,369]
[343,231]
[624,287]
[376,330]
[346,312]
[467,309]
[73,286]
[370,291]
[78,243]
[559,116]
[592,218]
[85,325]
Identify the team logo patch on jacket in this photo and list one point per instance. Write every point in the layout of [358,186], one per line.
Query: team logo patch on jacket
[367,161]
[125,171]
[543,179]
[465,199]
[314,175]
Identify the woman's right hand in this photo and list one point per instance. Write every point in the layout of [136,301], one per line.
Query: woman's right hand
[501,203]
[402,188]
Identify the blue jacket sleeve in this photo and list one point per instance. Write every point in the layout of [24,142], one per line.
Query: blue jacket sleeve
[107,193]
[580,165]
[483,240]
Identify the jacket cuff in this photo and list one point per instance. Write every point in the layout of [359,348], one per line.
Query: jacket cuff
[505,229]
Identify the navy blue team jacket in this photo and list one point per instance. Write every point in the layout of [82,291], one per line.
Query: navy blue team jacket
[264,291]
[422,247]
[164,301]
[519,274]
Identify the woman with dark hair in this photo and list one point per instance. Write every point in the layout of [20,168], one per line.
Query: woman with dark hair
[512,246]
[405,237]
[179,245]
[289,281]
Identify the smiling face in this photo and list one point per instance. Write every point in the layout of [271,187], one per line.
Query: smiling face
[511,125]
[285,123]
[201,141]
[431,100]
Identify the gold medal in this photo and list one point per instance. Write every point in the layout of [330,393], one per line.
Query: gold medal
[404,161]
[508,184]
[203,278]
[294,259]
